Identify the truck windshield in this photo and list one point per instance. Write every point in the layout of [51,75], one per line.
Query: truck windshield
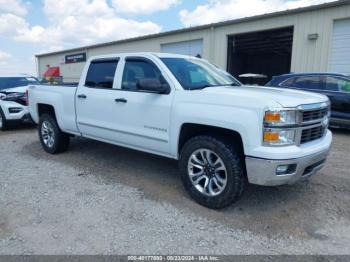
[10,82]
[195,74]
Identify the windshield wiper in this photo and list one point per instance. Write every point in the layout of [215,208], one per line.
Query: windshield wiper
[204,86]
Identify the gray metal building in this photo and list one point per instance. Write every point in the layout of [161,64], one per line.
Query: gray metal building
[309,39]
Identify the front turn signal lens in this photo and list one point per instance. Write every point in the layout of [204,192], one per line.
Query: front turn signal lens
[271,136]
[272,117]
[280,117]
[279,137]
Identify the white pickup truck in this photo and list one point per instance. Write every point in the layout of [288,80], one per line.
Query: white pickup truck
[224,134]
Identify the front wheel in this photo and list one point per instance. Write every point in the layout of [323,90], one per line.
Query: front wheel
[3,121]
[52,139]
[212,172]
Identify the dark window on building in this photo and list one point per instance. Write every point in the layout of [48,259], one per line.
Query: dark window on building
[101,74]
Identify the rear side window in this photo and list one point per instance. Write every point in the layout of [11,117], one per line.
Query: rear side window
[310,82]
[344,85]
[338,84]
[101,74]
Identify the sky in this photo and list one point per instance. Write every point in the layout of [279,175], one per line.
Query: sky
[40,26]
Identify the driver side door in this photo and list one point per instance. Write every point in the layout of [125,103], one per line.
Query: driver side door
[142,118]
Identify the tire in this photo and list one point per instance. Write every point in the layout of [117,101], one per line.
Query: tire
[4,124]
[217,194]
[52,139]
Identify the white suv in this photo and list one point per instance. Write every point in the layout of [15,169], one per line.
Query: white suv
[13,101]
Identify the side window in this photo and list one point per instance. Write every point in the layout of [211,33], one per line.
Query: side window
[289,82]
[344,85]
[299,82]
[136,70]
[101,74]
[310,82]
[332,84]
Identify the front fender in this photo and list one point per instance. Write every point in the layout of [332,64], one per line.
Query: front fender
[241,120]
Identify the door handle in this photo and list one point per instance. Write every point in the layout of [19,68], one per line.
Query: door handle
[120,100]
[82,96]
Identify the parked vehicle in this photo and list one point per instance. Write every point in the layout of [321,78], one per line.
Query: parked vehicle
[13,103]
[223,134]
[253,79]
[335,86]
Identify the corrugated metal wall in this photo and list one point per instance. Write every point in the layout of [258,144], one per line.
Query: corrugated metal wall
[340,52]
[307,55]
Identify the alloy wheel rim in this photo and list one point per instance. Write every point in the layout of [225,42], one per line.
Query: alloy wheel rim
[47,134]
[207,172]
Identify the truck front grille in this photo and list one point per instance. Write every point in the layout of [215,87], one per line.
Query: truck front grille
[312,134]
[312,122]
[314,115]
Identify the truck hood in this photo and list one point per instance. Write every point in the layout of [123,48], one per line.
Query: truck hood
[20,89]
[284,97]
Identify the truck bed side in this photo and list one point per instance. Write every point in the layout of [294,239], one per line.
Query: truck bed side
[60,98]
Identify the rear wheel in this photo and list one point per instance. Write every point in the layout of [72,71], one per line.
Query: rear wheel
[212,172]
[3,122]
[52,139]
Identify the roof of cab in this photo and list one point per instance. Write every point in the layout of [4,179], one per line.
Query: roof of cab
[317,74]
[159,55]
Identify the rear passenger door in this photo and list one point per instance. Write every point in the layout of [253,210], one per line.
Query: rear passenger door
[95,106]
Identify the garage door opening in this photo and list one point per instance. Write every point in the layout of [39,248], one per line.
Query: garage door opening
[265,53]
[192,48]
[340,52]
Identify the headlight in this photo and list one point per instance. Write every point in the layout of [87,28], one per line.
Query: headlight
[279,137]
[12,96]
[281,117]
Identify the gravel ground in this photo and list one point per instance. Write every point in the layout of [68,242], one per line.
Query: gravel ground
[103,199]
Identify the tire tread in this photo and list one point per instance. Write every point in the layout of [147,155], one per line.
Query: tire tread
[236,187]
[62,139]
[5,124]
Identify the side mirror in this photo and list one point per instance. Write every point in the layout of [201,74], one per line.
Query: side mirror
[153,85]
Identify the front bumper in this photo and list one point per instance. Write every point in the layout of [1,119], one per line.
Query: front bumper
[340,122]
[14,111]
[263,171]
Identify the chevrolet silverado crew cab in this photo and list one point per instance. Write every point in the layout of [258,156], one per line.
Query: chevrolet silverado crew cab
[224,134]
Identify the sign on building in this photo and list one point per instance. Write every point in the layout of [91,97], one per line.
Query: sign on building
[75,58]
